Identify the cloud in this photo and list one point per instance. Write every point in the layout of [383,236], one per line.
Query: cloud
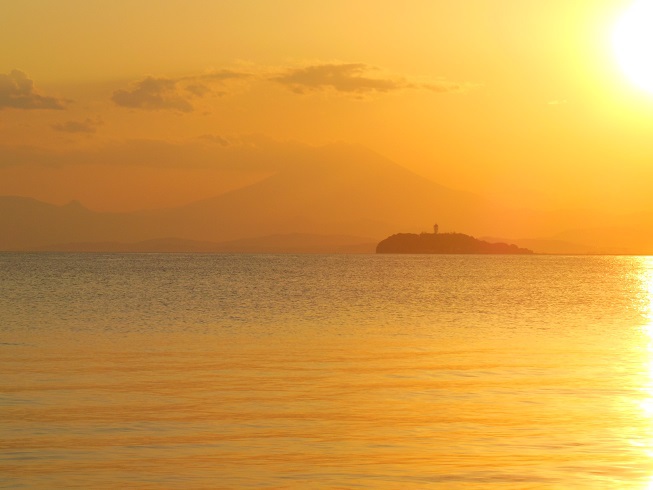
[198,90]
[217,139]
[17,92]
[357,79]
[447,86]
[153,94]
[347,77]
[87,126]
[232,153]
[162,93]
[218,76]
[354,79]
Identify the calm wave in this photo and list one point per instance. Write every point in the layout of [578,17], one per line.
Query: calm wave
[236,371]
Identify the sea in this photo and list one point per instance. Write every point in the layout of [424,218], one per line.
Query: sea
[154,371]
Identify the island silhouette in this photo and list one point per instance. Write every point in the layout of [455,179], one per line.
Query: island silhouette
[444,243]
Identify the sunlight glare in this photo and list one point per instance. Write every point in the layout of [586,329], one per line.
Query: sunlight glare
[646,404]
[633,43]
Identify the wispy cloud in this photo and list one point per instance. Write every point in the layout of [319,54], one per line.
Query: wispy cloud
[356,79]
[447,86]
[347,77]
[88,126]
[217,139]
[231,153]
[17,92]
[152,93]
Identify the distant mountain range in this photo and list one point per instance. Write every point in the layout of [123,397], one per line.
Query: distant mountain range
[336,198]
[275,244]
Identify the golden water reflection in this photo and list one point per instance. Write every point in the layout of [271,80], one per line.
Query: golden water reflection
[643,300]
[537,374]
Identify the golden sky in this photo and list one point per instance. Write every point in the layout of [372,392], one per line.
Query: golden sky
[522,101]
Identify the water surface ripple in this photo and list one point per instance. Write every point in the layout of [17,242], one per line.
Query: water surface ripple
[325,371]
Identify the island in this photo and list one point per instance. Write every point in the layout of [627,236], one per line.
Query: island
[444,243]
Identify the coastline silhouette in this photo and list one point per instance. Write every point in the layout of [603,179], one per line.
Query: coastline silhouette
[444,243]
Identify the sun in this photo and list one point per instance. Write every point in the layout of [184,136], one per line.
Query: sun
[632,41]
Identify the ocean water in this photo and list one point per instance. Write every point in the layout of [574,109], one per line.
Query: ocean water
[325,371]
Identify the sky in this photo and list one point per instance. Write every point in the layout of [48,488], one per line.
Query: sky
[126,104]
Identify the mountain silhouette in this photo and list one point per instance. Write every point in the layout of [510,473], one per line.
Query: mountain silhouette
[334,190]
[274,244]
[337,189]
[26,223]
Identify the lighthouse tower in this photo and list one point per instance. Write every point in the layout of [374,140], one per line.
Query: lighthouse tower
[435,229]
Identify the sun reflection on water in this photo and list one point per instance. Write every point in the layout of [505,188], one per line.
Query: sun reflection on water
[644,302]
